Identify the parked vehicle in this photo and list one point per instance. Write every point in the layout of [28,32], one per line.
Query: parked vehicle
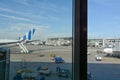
[98,58]
[58,59]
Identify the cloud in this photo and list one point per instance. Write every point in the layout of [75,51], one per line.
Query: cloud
[12,11]
[95,35]
[104,2]
[18,30]
[43,32]
[29,16]
[25,2]
[64,34]
[14,17]
[7,10]
[52,9]
[24,27]
[102,35]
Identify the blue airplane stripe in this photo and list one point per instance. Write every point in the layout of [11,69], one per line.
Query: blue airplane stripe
[33,31]
[24,37]
[29,35]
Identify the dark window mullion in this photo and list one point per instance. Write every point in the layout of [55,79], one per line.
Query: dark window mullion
[80,41]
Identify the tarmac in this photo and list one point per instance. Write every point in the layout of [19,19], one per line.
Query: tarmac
[93,53]
[106,69]
[39,55]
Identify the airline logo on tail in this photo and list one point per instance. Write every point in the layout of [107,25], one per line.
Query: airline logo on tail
[28,35]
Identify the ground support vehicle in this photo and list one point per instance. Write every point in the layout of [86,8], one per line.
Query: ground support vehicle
[44,71]
[26,74]
[63,72]
[58,59]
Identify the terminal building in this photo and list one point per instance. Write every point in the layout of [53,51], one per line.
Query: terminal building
[4,63]
[95,43]
[62,41]
[98,43]
[111,42]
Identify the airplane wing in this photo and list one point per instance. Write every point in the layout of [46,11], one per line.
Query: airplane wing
[5,41]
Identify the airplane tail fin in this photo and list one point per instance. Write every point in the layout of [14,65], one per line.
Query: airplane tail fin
[28,35]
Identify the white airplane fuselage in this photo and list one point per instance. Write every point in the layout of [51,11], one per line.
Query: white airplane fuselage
[108,50]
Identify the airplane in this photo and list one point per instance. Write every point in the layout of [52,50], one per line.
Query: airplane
[112,52]
[108,50]
[25,39]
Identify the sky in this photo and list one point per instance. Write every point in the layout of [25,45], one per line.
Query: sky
[104,18]
[50,18]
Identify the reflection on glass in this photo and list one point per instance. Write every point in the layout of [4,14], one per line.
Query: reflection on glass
[2,55]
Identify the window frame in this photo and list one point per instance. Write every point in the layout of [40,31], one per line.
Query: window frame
[80,40]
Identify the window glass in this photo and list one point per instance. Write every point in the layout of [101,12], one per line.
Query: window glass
[2,69]
[39,35]
[104,39]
